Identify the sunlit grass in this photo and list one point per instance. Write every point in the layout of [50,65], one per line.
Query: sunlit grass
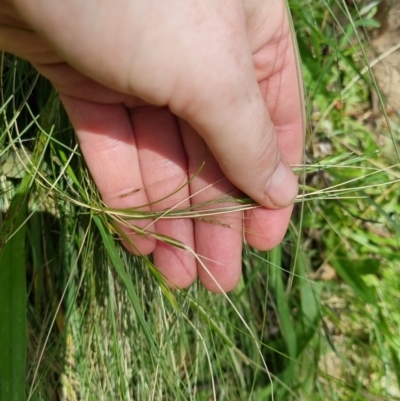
[315,319]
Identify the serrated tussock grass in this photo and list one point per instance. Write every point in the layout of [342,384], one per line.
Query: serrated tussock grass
[314,319]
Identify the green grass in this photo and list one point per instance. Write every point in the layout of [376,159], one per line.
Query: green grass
[314,319]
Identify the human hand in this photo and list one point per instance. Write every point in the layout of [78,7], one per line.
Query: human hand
[143,82]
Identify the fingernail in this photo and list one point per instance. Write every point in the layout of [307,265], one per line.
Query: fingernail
[282,187]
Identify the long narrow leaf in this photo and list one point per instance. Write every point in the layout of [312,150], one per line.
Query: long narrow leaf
[13,303]
[123,275]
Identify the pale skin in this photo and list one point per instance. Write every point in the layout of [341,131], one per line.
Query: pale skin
[146,83]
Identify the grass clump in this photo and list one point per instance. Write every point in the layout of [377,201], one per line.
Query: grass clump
[314,319]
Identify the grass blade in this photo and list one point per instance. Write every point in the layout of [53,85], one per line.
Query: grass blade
[13,302]
[283,311]
[123,275]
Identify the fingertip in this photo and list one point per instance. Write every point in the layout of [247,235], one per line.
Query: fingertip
[177,266]
[224,287]
[266,228]
[137,244]
[282,187]
[219,254]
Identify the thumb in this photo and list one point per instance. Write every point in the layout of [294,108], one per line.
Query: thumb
[231,116]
